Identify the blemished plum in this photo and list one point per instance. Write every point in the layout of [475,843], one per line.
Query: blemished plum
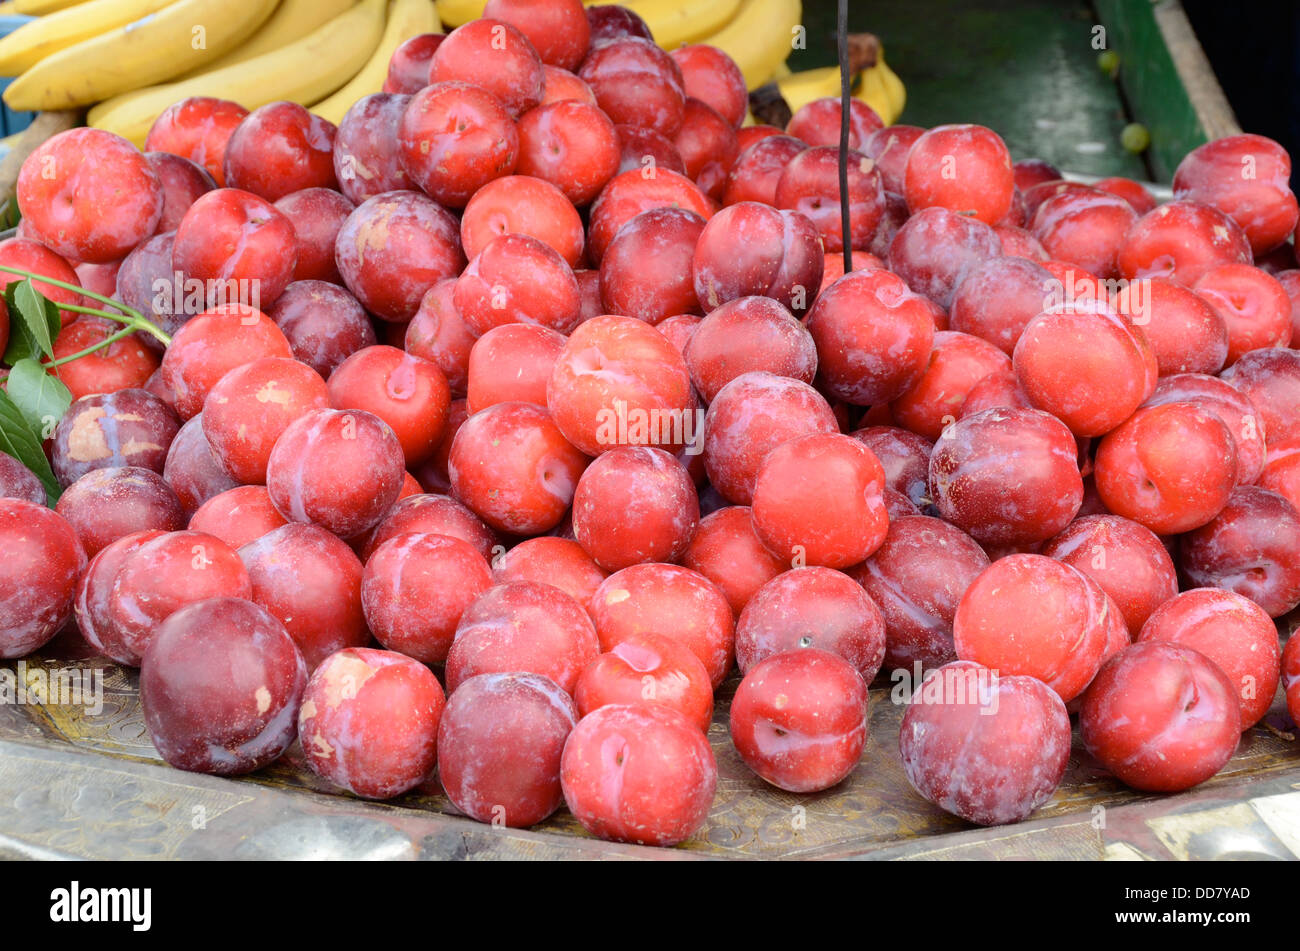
[311,582]
[512,363]
[636,83]
[107,504]
[648,668]
[986,747]
[727,551]
[238,516]
[749,334]
[1007,476]
[710,75]
[323,323]
[198,129]
[1270,379]
[112,430]
[523,626]
[571,144]
[367,160]
[639,773]
[1127,560]
[339,469]
[500,740]
[278,149]
[963,168]
[1086,228]
[369,722]
[646,271]
[1252,547]
[672,601]
[633,505]
[240,246]
[905,457]
[873,337]
[1169,467]
[89,195]
[555,561]
[1233,632]
[809,184]
[819,500]
[916,579]
[221,685]
[936,249]
[434,515]
[751,416]
[1162,717]
[812,607]
[316,214]
[454,138]
[494,56]
[38,576]
[1254,306]
[393,248]
[799,719]
[999,298]
[513,467]
[1247,177]
[1181,240]
[212,344]
[617,382]
[751,249]
[406,392]
[415,588]
[818,122]
[1032,615]
[1233,407]
[250,407]
[1187,334]
[517,279]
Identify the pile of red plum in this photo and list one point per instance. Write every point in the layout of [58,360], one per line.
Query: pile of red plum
[502,421]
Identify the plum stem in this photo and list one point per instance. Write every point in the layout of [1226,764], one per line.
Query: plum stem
[131,317]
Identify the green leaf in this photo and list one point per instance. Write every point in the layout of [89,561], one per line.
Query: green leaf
[21,345]
[17,439]
[40,397]
[39,314]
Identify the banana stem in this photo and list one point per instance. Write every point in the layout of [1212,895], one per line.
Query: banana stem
[129,316]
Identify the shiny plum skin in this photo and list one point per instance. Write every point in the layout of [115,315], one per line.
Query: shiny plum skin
[675,602]
[278,149]
[1180,241]
[38,576]
[1261,203]
[757,170]
[192,470]
[323,323]
[819,500]
[963,168]
[241,246]
[710,75]
[523,626]
[1126,559]
[986,747]
[495,56]
[500,741]
[818,122]
[369,722]
[1254,306]
[634,504]
[339,469]
[1252,547]
[1032,615]
[517,279]
[183,182]
[648,668]
[999,298]
[1270,379]
[726,550]
[559,31]
[916,579]
[799,719]
[780,256]
[438,333]
[748,334]
[888,148]
[107,504]
[1086,228]
[1233,632]
[367,161]
[639,773]
[637,83]
[555,561]
[92,594]
[316,214]
[198,129]
[89,195]
[812,607]
[512,363]
[809,184]
[411,395]
[1162,717]
[311,582]
[122,365]
[408,69]
[126,428]
[956,364]
[221,685]
[435,515]
[19,482]
[631,192]
[1233,407]
[415,588]
[905,457]
[453,139]
[646,271]
[238,516]
[1007,476]
[29,255]
[570,144]
[1187,334]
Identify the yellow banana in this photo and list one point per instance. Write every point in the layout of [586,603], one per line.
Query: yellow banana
[759,37]
[799,89]
[871,90]
[459,12]
[406,18]
[37,8]
[302,72]
[8,7]
[177,38]
[291,21]
[32,42]
[782,71]
[893,86]
[675,22]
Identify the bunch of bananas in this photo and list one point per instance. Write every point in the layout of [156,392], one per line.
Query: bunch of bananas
[128,60]
[879,87]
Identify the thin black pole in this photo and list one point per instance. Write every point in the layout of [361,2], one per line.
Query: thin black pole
[843,37]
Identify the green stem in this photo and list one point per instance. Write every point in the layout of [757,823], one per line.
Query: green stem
[129,316]
[106,342]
